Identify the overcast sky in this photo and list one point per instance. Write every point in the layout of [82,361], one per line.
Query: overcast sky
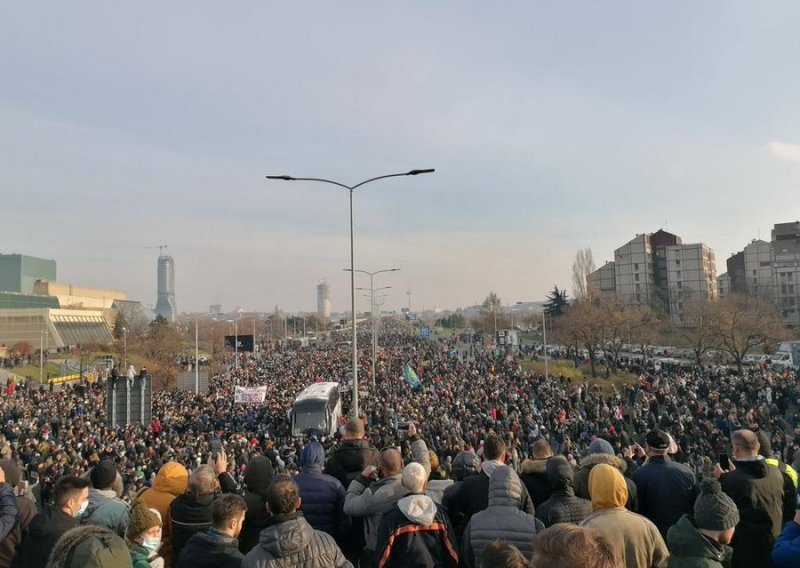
[552,126]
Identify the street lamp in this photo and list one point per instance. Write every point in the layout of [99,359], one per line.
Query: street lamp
[351,189]
[372,309]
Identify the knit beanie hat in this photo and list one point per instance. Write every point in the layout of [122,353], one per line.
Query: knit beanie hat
[713,509]
[142,519]
[103,475]
[601,446]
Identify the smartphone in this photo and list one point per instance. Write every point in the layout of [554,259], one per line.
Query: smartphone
[724,462]
[216,447]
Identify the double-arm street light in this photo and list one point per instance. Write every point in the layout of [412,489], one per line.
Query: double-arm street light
[372,291]
[351,189]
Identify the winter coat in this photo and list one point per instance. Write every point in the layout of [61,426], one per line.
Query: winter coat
[786,552]
[289,541]
[562,506]
[322,496]
[503,518]
[471,496]
[189,515]
[580,481]
[8,510]
[106,510]
[435,488]
[634,537]
[45,529]
[89,546]
[170,482]
[372,500]
[211,549]
[350,459]
[143,558]
[257,477]
[689,548]
[416,533]
[534,476]
[666,490]
[758,490]
[26,510]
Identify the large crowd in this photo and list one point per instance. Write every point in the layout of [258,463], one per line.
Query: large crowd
[484,463]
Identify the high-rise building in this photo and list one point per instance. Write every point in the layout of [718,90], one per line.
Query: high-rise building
[691,275]
[724,284]
[602,281]
[786,267]
[659,241]
[323,301]
[633,272]
[165,304]
[19,272]
[736,271]
[758,271]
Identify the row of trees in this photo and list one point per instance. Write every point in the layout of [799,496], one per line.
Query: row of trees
[734,325]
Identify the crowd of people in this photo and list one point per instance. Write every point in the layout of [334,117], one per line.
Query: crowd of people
[484,463]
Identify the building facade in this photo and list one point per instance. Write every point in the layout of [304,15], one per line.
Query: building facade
[634,272]
[786,269]
[724,284]
[323,301]
[19,272]
[165,302]
[759,276]
[602,281]
[691,275]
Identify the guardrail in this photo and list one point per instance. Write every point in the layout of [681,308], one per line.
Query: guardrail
[91,377]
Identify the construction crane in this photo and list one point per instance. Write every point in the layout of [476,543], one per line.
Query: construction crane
[159,247]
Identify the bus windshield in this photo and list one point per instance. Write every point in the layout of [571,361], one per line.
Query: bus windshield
[310,415]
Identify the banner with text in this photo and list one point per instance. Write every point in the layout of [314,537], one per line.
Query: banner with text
[249,394]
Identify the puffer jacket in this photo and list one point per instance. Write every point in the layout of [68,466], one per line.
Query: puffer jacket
[689,548]
[503,519]
[106,510]
[786,552]
[322,496]
[372,500]
[562,506]
[534,476]
[289,541]
[257,477]
[171,481]
[580,481]
[415,533]
[350,459]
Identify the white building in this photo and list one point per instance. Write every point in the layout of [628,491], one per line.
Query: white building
[633,272]
[323,301]
[724,284]
[691,274]
[786,267]
[758,270]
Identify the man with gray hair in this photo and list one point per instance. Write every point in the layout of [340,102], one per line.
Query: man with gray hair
[415,531]
[760,495]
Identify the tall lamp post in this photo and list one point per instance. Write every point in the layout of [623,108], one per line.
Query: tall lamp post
[351,189]
[372,291]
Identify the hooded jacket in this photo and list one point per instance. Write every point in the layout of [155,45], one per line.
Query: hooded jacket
[350,459]
[689,548]
[90,546]
[786,552]
[106,510]
[562,506]
[289,541]
[503,518]
[44,531]
[211,549]
[580,481]
[414,533]
[759,492]
[171,481]
[257,477]
[636,539]
[534,476]
[322,495]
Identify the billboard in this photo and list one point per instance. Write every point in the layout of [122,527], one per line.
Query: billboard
[245,342]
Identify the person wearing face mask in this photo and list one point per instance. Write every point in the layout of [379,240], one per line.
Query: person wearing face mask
[70,501]
[217,547]
[144,537]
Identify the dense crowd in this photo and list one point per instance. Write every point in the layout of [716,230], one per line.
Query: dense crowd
[536,451]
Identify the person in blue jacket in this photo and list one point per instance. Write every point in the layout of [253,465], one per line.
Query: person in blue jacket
[786,551]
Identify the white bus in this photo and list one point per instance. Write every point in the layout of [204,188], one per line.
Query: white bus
[318,408]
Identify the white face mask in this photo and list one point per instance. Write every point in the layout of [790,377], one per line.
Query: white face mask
[82,510]
[151,544]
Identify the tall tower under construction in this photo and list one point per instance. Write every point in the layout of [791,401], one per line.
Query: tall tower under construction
[323,301]
[165,304]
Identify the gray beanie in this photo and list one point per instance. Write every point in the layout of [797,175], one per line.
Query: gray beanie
[601,446]
[713,509]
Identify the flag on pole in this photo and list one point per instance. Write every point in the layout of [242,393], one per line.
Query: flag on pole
[410,376]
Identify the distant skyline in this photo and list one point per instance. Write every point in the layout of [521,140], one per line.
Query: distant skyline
[552,127]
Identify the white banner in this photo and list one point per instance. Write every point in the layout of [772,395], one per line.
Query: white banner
[249,394]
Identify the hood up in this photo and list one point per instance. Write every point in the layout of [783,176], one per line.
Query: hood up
[312,456]
[285,535]
[172,478]
[258,475]
[419,509]
[505,488]
[592,460]
[559,474]
[607,487]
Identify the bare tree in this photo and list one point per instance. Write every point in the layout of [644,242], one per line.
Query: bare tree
[696,326]
[581,269]
[584,325]
[491,308]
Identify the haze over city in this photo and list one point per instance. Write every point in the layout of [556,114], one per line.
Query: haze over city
[552,127]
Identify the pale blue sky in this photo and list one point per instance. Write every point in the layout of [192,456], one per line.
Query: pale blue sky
[552,126]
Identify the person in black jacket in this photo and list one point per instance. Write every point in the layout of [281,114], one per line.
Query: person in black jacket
[71,498]
[562,506]
[666,489]
[257,477]
[217,547]
[322,495]
[22,515]
[534,472]
[472,495]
